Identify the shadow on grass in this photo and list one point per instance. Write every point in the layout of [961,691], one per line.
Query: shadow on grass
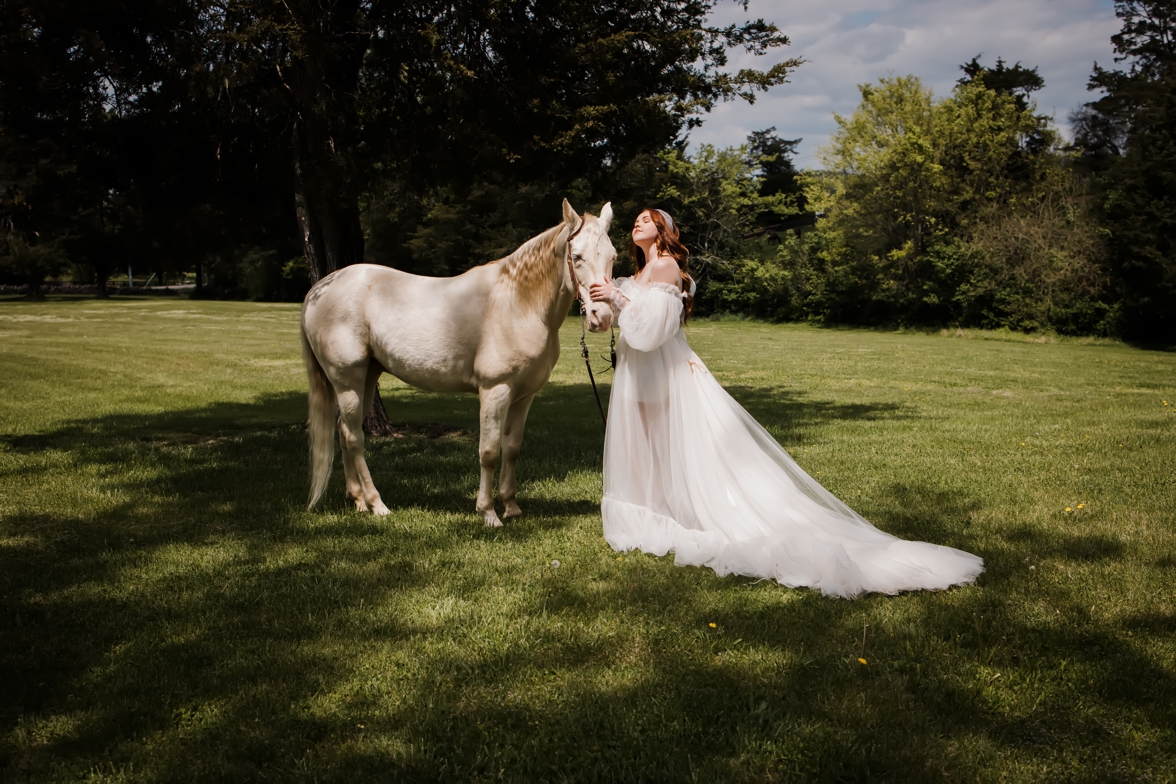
[194,622]
[797,420]
[1076,547]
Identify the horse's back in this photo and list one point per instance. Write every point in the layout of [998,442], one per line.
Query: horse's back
[423,330]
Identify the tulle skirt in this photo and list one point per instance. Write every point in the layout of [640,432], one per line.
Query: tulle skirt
[687,470]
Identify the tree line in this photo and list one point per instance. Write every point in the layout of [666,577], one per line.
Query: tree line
[262,144]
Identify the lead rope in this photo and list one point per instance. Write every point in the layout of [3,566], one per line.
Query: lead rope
[588,363]
[612,347]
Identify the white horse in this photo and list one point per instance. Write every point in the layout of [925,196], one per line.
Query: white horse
[493,330]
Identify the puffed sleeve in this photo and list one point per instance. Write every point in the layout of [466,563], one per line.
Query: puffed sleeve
[652,316]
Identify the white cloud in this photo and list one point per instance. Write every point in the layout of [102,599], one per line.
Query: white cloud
[850,42]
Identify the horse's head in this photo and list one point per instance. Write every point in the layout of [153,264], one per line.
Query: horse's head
[592,256]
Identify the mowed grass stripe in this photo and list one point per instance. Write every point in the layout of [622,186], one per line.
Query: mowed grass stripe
[170,610]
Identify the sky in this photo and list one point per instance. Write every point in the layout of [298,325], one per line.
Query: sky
[850,42]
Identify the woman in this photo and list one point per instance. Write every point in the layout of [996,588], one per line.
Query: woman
[687,469]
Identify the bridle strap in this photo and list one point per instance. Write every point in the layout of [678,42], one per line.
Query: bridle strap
[571,269]
[579,297]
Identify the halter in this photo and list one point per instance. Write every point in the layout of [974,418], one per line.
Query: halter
[582,300]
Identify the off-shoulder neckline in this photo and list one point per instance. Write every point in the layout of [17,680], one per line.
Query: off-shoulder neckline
[669,288]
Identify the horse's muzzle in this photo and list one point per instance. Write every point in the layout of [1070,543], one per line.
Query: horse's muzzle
[599,318]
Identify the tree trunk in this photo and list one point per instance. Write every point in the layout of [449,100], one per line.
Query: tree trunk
[327,210]
[376,423]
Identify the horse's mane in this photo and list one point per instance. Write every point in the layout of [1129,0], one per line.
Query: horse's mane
[530,270]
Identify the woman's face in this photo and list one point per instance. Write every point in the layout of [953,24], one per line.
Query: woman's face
[644,229]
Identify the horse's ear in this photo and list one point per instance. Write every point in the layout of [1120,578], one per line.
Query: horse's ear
[569,216]
[606,215]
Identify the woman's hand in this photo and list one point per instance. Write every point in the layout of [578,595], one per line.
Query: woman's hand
[601,292]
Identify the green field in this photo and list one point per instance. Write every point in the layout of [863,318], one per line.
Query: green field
[169,609]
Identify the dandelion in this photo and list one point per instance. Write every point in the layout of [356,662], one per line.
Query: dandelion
[862,661]
[713,625]
[1081,506]
[1068,509]
[555,564]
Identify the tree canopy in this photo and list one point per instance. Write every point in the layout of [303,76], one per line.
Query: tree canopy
[288,116]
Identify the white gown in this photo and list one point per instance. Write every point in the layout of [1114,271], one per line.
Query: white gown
[687,469]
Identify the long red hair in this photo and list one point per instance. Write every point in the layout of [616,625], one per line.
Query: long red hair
[667,244]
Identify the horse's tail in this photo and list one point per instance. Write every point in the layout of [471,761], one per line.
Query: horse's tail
[321,422]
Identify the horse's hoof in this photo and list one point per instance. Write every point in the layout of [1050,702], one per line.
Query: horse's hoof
[512,511]
[491,519]
[379,510]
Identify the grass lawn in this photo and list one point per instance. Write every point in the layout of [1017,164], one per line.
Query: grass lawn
[170,610]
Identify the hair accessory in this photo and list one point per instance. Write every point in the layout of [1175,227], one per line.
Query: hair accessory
[669,220]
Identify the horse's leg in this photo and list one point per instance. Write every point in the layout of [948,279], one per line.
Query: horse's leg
[363,491]
[494,404]
[354,491]
[375,370]
[512,442]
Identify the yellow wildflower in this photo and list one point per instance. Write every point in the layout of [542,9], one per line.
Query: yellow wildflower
[1081,506]
[1068,509]
[712,625]
[863,661]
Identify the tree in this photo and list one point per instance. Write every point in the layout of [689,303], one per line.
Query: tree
[30,264]
[909,174]
[114,134]
[773,156]
[1016,81]
[1129,134]
[715,198]
[432,95]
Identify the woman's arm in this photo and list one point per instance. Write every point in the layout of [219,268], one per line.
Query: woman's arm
[653,316]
